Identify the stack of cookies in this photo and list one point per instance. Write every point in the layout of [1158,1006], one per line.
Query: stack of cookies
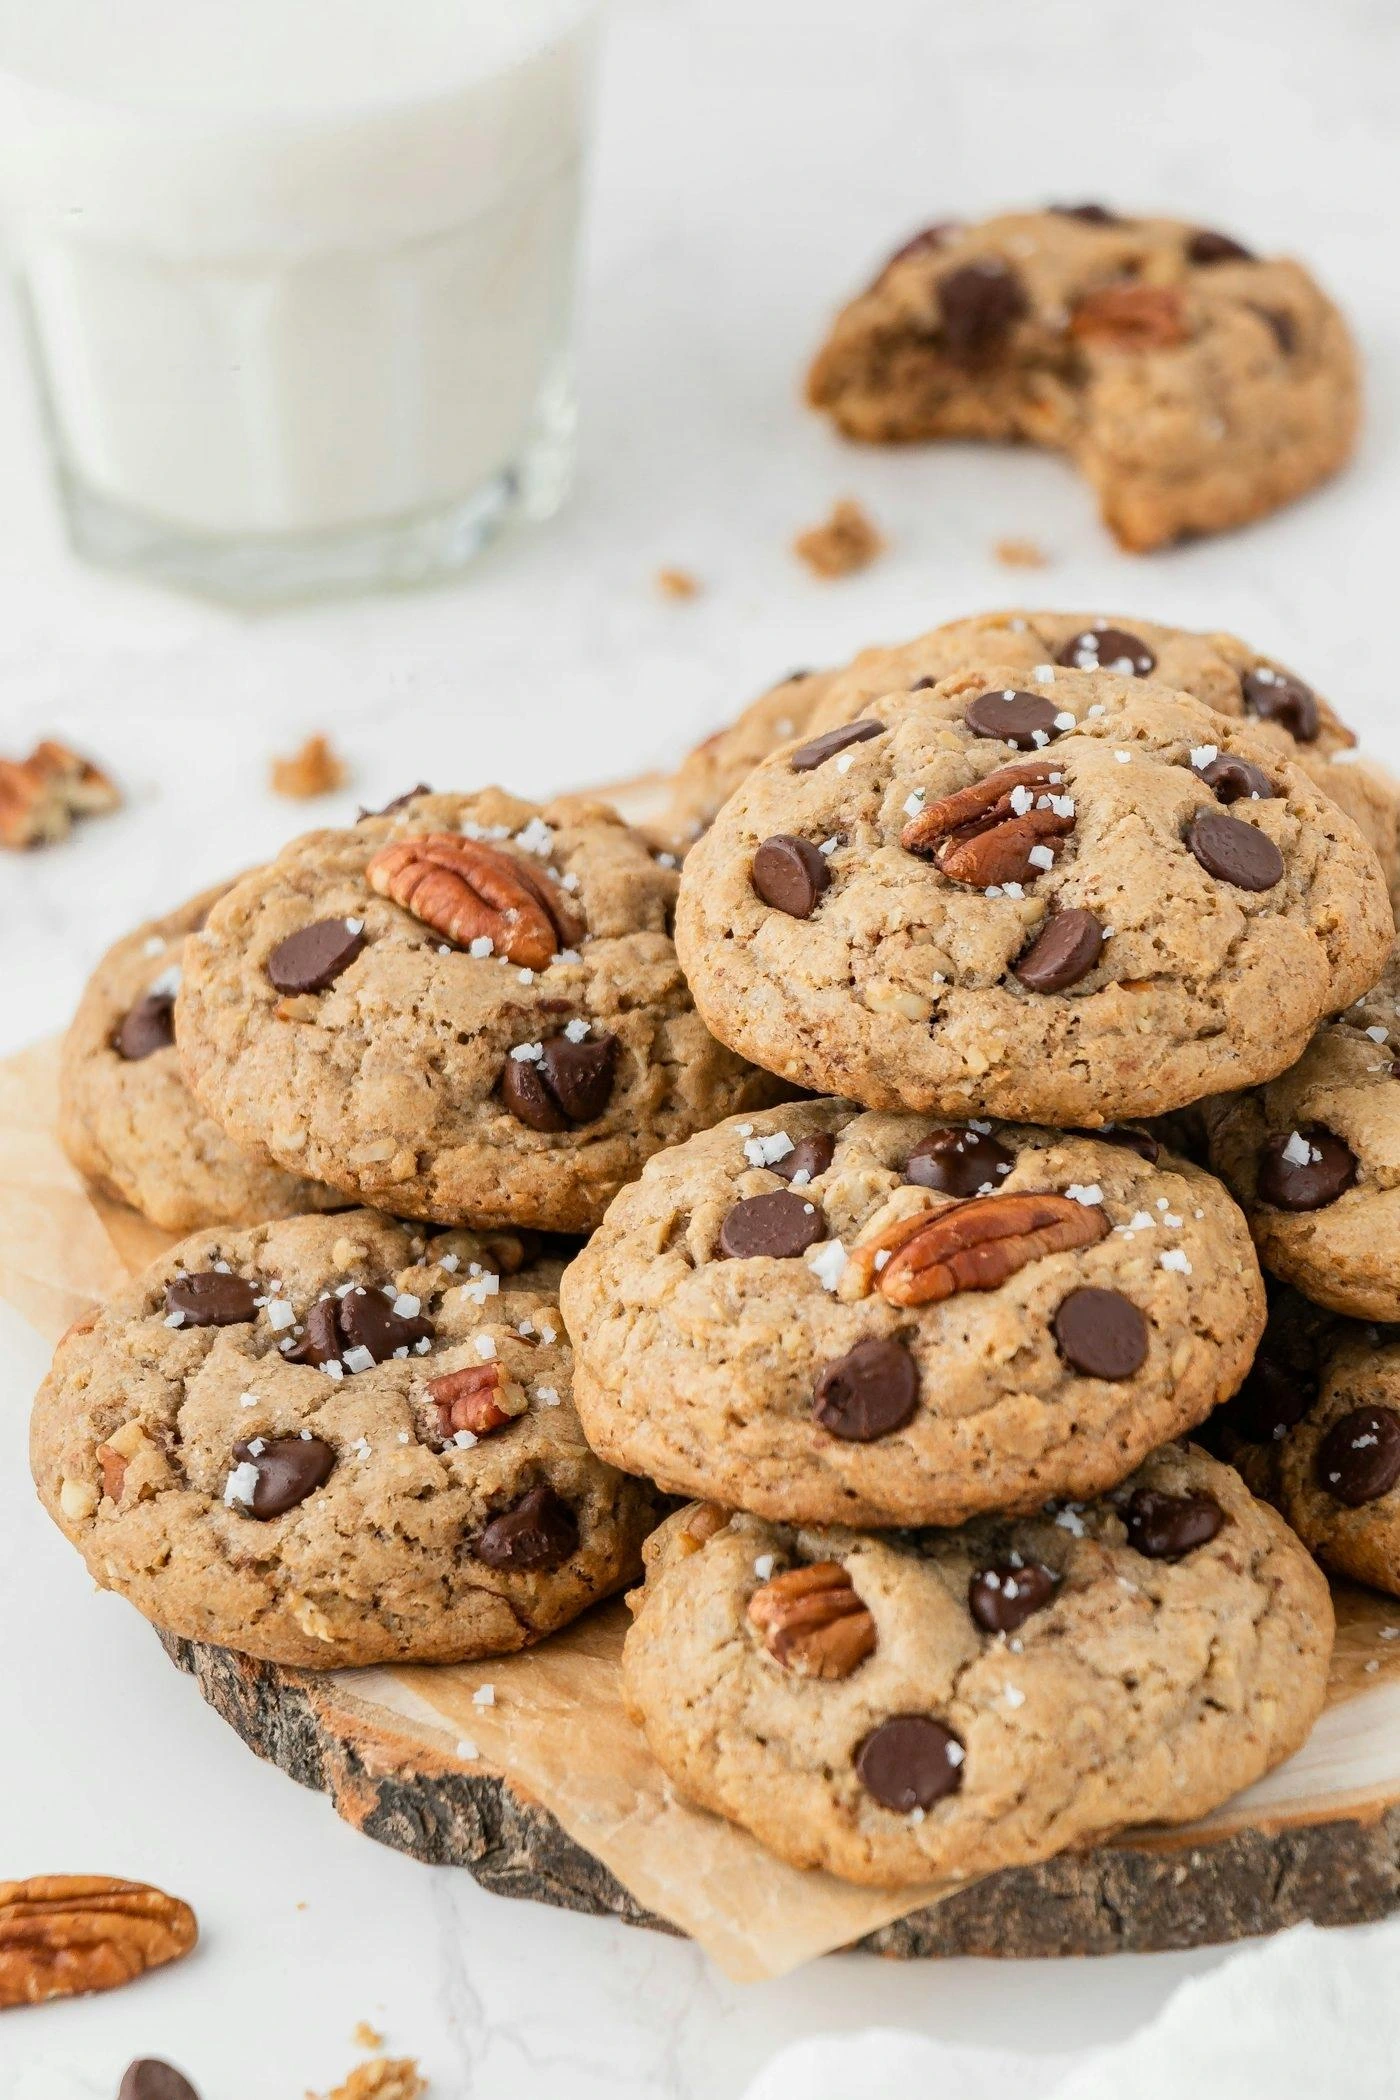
[890,1183]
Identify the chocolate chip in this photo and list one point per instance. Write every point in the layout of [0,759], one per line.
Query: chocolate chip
[580,1075]
[150,2079]
[289,1468]
[1359,1458]
[150,1026]
[979,305]
[1273,1399]
[1236,780]
[1283,325]
[1108,649]
[368,1321]
[1002,1597]
[1274,696]
[1234,852]
[314,956]
[526,1096]
[1290,1183]
[399,802]
[958,1162]
[1206,246]
[868,1393]
[810,1156]
[1091,214]
[1024,720]
[1140,1141]
[321,1341]
[1101,1333]
[910,1762]
[1163,1527]
[807,757]
[1064,951]
[790,874]
[535,1535]
[211,1298]
[780,1224]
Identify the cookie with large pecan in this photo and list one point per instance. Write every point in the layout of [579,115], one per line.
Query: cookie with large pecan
[466,1008]
[945,1703]
[831,1316]
[1064,895]
[336,1441]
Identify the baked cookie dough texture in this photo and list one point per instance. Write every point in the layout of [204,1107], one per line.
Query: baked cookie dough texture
[829,1316]
[1077,900]
[264,1442]
[1194,385]
[465,1009]
[941,1704]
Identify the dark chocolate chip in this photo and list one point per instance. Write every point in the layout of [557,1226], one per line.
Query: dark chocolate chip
[150,1026]
[1140,1141]
[979,304]
[807,757]
[1101,1333]
[910,1762]
[314,956]
[1024,720]
[1091,214]
[1236,780]
[1108,649]
[1064,951]
[1283,325]
[536,1534]
[1234,852]
[1358,1460]
[289,1468]
[528,1098]
[212,1298]
[399,802]
[790,874]
[958,1162]
[780,1224]
[1305,1184]
[1163,1527]
[1273,1399]
[368,1321]
[1207,246]
[580,1075]
[1274,696]
[150,2079]
[810,1156]
[1002,1597]
[321,1341]
[868,1393]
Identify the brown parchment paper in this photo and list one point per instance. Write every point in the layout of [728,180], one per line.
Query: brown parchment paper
[557,1729]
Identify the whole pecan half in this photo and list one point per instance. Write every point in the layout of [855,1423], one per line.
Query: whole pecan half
[63,1934]
[479,1398]
[465,889]
[812,1621]
[1131,317]
[974,1246]
[984,834]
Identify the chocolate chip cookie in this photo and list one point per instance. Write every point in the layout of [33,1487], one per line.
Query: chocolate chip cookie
[1195,385]
[466,1008]
[1067,899]
[1314,1158]
[828,1316]
[947,1703]
[126,1118]
[331,1441]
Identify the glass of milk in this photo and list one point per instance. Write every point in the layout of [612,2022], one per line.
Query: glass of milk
[298,276]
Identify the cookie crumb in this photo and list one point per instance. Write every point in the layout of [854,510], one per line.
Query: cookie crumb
[314,770]
[677,583]
[1020,554]
[42,794]
[366,2037]
[382,2078]
[848,541]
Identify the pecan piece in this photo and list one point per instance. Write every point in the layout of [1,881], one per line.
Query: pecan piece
[812,1621]
[1131,317]
[479,1398]
[975,1246]
[42,794]
[63,1934]
[980,836]
[465,890]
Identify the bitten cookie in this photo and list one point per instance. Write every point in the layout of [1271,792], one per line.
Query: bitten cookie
[943,1704]
[1063,901]
[1314,1158]
[1193,384]
[127,1120]
[328,1442]
[828,1316]
[466,1009]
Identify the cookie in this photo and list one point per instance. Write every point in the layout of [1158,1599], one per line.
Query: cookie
[942,1704]
[329,1442]
[1194,385]
[466,1008]
[1066,901]
[828,1316]
[1314,1158]
[127,1120]
[1283,711]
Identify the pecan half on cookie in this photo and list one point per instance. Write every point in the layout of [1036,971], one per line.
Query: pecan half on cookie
[469,891]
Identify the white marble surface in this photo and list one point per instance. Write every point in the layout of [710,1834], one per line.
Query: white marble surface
[756,157]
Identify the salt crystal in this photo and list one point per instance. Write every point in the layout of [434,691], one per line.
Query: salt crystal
[576,1031]
[241,1485]
[358,1359]
[763,1566]
[827,1263]
[1175,1258]
[484,1695]
[484,1345]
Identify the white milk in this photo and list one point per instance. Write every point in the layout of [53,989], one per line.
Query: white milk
[298,273]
